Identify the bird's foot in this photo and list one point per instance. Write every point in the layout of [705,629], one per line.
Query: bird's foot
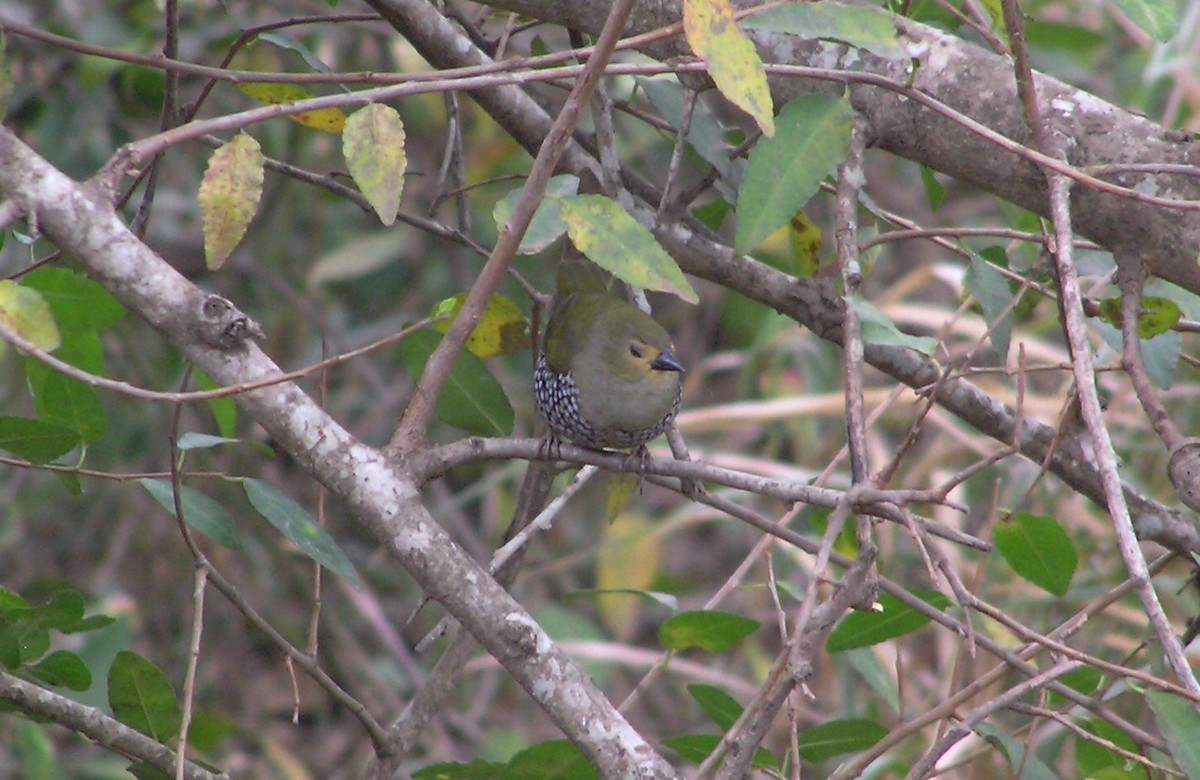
[550,447]
[642,454]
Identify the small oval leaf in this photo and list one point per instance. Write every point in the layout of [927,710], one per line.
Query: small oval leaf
[294,522]
[838,737]
[471,399]
[861,629]
[785,171]
[34,440]
[199,511]
[1038,549]
[707,629]
[78,302]
[63,669]
[547,226]
[141,696]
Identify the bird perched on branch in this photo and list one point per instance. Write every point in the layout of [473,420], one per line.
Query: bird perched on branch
[607,376]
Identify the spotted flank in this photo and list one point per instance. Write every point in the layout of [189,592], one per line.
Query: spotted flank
[557,400]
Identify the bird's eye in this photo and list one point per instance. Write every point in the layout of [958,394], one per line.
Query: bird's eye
[635,350]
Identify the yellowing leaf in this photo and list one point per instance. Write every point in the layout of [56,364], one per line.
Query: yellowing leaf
[26,313]
[373,143]
[502,330]
[805,239]
[619,244]
[229,196]
[327,120]
[628,560]
[732,60]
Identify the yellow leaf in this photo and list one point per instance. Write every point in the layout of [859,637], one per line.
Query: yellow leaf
[628,560]
[620,490]
[502,330]
[327,120]
[229,196]
[25,312]
[373,144]
[732,60]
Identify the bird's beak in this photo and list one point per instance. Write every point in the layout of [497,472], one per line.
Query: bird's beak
[666,361]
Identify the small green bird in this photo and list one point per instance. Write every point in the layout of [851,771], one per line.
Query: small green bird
[607,376]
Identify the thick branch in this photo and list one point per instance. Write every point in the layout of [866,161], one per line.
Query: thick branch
[979,84]
[381,492]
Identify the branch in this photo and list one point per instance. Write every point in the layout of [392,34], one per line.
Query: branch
[381,493]
[1102,133]
[95,725]
[417,416]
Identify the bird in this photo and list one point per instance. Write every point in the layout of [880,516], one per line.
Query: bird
[607,377]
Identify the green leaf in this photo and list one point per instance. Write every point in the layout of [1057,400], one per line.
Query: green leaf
[706,134]
[697,747]
[881,680]
[477,769]
[935,193]
[141,696]
[866,27]
[63,669]
[10,644]
[547,225]
[707,629]
[1160,18]
[1038,549]
[1091,758]
[838,737]
[471,399]
[34,440]
[224,410]
[1179,722]
[200,441]
[78,303]
[1158,315]
[373,144]
[812,137]
[1160,354]
[719,706]
[877,328]
[619,244]
[862,629]
[142,770]
[986,285]
[1085,680]
[199,511]
[291,520]
[558,759]
[67,402]
[1028,764]
[33,751]
[64,609]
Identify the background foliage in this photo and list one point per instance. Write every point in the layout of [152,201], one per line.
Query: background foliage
[677,605]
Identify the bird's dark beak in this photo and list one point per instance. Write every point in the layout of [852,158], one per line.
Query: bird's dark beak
[666,361]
